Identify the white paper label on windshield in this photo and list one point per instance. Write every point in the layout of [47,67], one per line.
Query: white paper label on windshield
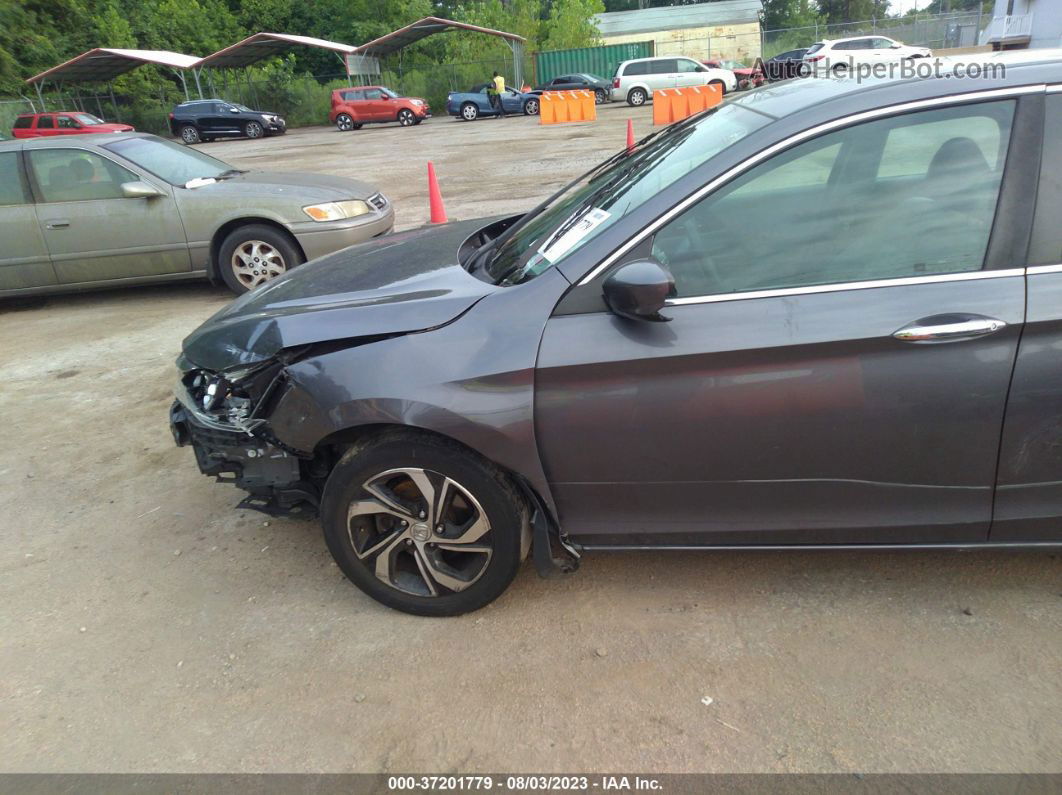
[566,242]
[199,182]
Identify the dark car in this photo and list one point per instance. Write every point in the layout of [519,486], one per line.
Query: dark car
[207,119]
[785,65]
[626,366]
[601,87]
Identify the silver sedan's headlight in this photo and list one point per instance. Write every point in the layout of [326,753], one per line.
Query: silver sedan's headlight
[337,211]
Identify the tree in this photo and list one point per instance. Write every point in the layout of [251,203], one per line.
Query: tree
[571,24]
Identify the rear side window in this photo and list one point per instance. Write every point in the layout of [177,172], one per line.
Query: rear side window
[45,123]
[351,96]
[23,122]
[12,189]
[637,68]
[1046,246]
[663,66]
[67,175]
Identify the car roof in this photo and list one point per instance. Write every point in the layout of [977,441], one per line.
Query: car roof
[73,141]
[853,38]
[836,97]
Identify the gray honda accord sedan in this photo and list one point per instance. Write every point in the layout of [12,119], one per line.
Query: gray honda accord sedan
[103,210]
[825,314]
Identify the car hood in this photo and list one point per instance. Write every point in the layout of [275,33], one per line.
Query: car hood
[106,128]
[401,283]
[306,188]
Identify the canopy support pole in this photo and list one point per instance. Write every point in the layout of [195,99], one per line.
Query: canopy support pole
[198,85]
[346,69]
[40,94]
[114,102]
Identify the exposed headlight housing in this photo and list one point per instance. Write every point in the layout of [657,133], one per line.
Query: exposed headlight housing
[337,211]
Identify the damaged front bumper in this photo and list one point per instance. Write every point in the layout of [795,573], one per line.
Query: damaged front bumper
[236,447]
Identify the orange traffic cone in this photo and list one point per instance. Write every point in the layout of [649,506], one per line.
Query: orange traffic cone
[438,211]
[630,135]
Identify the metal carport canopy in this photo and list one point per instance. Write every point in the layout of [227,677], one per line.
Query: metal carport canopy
[421,29]
[104,63]
[429,26]
[263,45]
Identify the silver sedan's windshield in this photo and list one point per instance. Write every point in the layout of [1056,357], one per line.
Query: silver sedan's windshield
[176,164]
[597,201]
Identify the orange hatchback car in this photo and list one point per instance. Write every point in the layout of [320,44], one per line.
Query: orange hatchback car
[354,107]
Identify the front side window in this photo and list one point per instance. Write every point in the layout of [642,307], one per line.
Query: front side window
[12,191]
[87,119]
[66,123]
[374,93]
[911,195]
[682,65]
[68,175]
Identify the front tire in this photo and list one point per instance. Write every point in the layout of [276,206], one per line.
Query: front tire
[531,107]
[190,134]
[636,97]
[406,117]
[253,129]
[254,254]
[422,525]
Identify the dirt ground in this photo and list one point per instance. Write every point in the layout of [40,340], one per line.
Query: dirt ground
[148,626]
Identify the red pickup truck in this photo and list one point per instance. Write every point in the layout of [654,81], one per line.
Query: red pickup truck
[66,122]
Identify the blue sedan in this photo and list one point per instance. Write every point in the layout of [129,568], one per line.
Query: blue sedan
[470,105]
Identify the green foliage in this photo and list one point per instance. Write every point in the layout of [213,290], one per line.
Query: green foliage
[571,24]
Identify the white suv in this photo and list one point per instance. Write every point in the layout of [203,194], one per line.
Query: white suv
[839,55]
[635,81]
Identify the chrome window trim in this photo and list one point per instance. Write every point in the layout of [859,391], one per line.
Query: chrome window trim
[792,140]
[1032,270]
[965,276]
[1054,89]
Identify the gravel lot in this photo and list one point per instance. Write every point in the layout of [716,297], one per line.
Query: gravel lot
[148,626]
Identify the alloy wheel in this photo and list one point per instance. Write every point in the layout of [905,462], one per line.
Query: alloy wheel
[637,97]
[253,129]
[599,97]
[344,122]
[405,118]
[189,134]
[469,112]
[531,108]
[255,262]
[420,532]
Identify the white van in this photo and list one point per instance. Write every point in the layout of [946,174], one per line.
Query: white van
[635,81]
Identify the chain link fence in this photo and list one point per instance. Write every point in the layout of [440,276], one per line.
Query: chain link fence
[936,31]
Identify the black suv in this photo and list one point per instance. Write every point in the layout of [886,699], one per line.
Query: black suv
[580,80]
[207,119]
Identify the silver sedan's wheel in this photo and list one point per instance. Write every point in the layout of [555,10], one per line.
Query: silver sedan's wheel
[420,532]
[469,112]
[344,122]
[253,130]
[255,262]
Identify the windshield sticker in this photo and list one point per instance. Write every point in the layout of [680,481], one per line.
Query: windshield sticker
[570,239]
[199,182]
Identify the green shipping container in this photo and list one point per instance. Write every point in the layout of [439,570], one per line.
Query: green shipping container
[601,61]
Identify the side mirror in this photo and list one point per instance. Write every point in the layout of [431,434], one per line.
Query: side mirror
[140,190]
[639,290]
[895,46]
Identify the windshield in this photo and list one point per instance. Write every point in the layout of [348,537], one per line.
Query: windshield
[87,119]
[592,204]
[389,93]
[176,164]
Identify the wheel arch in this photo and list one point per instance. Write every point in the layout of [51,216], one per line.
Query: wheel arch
[335,445]
[233,224]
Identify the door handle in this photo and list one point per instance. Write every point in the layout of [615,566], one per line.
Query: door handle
[61,224]
[949,328]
